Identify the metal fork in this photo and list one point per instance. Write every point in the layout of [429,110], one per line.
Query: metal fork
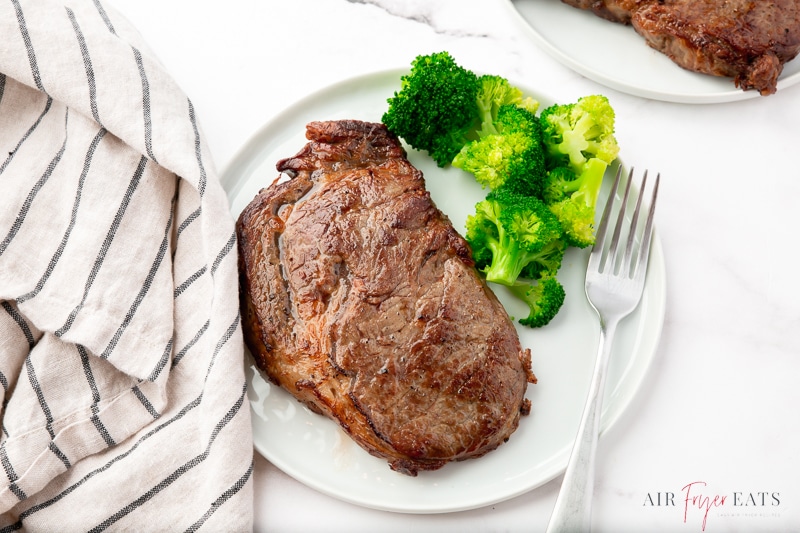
[614,284]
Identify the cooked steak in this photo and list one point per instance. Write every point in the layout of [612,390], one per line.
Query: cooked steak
[613,10]
[361,300]
[741,39]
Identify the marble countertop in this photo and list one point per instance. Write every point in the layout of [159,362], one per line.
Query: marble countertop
[717,412]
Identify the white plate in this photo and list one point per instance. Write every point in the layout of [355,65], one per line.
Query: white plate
[617,57]
[316,452]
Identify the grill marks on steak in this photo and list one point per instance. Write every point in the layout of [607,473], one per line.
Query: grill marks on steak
[361,299]
[746,40]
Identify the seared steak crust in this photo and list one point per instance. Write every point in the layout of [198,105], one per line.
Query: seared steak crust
[361,300]
[613,10]
[746,40]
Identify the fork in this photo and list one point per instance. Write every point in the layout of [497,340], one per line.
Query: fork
[614,284]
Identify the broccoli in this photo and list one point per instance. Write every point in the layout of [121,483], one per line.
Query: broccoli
[574,133]
[494,93]
[579,144]
[575,207]
[557,184]
[546,260]
[435,109]
[441,106]
[544,298]
[512,157]
[507,232]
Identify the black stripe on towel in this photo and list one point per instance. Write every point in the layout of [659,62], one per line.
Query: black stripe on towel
[37,389]
[185,285]
[236,487]
[12,476]
[225,338]
[191,218]
[26,38]
[162,363]
[201,184]
[182,352]
[148,123]
[23,325]
[103,15]
[58,453]
[87,370]
[145,402]
[87,63]
[101,428]
[162,250]
[225,251]
[27,134]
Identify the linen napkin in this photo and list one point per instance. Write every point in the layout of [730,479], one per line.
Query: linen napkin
[123,391]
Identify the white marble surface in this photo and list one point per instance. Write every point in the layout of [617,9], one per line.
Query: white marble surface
[720,403]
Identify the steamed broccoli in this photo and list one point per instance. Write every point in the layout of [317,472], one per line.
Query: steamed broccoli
[580,144]
[435,109]
[513,157]
[576,205]
[441,106]
[576,132]
[557,184]
[544,298]
[507,232]
[547,260]
[494,93]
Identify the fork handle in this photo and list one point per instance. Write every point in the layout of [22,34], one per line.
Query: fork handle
[573,508]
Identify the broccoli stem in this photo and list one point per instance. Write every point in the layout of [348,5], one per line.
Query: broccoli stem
[508,259]
[591,180]
[587,185]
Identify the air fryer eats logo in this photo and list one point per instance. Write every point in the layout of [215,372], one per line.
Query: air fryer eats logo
[698,503]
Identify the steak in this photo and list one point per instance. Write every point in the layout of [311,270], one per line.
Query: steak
[613,10]
[749,41]
[361,300]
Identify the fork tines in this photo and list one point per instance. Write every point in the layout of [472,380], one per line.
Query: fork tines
[605,255]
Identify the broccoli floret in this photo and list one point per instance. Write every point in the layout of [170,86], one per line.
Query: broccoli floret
[507,232]
[557,182]
[494,93]
[576,132]
[435,109]
[512,158]
[576,208]
[580,144]
[544,298]
[547,260]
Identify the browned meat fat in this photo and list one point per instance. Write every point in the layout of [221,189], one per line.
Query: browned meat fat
[361,300]
[741,39]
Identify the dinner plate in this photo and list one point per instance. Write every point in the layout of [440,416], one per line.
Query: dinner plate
[315,451]
[616,56]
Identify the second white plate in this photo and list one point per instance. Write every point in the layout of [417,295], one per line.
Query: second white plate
[617,57]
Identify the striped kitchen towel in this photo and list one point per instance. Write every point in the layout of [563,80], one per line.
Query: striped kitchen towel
[124,402]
